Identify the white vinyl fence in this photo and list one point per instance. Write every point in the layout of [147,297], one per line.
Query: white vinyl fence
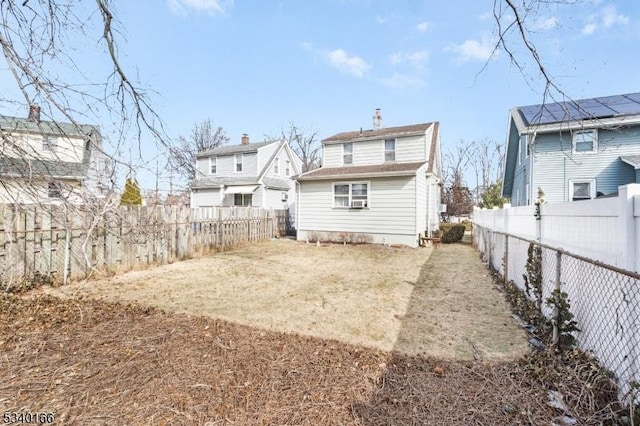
[585,248]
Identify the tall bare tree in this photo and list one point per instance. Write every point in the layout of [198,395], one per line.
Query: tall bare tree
[456,194]
[204,137]
[487,162]
[303,142]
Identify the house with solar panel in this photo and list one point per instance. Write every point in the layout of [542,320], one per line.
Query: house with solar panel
[573,150]
[51,162]
[380,185]
[255,174]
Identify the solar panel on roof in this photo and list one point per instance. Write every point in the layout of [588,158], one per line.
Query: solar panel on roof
[584,109]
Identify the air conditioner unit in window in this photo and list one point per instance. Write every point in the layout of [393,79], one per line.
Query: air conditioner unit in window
[358,204]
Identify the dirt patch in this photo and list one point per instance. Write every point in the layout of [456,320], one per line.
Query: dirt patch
[95,363]
[370,295]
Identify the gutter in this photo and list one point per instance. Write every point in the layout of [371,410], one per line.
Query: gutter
[358,175]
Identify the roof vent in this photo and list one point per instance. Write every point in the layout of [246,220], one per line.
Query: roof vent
[377,119]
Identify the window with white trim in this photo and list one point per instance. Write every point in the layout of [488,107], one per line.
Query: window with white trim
[276,166]
[347,153]
[524,148]
[582,189]
[213,165]
[389,150]
[344,194]
[585,141]
[242,200]
[287,168]
[49,143]
[238,158]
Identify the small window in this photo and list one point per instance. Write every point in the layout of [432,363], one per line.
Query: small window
[585,141]
[55,190]
[49,143]
[344,194]
[287,168]
[390,150]
[213,165]
[276,166]
[347,153]
[238,163]
[242,200]
[285,196]
[524,148]
[582,189]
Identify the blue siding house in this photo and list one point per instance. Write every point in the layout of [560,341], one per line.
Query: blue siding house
[573,150]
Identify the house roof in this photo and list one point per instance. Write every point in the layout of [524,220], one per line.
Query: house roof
[633,160]
[215,181]
[582,109]
[277,183]
[235,149]
[23,125]
[50,168]
[374,134]
[387,169]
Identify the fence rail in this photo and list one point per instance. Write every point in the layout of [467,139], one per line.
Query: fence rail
[604,299]
[61,243]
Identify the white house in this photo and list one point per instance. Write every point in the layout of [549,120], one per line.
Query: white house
[248,174]
[574,150]
[51,162]
[382,183]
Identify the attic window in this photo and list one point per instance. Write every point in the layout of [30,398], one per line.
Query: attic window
[55,190]
[347,153]
[585,141]
[287,168]
[390,150]
[49,143]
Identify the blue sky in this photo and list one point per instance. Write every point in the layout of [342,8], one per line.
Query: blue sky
[253,66]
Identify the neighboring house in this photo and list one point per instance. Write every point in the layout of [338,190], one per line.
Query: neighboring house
[248,174]
[382,183]
[572,150]
[51,162]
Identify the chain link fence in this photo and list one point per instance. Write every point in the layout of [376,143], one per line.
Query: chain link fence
[605,300]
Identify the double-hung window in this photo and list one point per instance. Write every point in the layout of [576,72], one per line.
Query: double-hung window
[350,195]
[54,190]
[585,141]
[389,150]
[213,165]
[276,166]
[582,189]
[287,168]
[238,158]
[347,153]
[524,148]
[49,143]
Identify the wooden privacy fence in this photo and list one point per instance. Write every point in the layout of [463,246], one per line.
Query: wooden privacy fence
[64,242]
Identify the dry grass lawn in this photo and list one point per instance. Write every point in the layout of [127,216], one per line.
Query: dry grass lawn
[416,301]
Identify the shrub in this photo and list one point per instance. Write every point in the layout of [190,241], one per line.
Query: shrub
[453,233]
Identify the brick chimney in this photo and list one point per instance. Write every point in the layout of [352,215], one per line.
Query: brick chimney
[245,139]
[34,113]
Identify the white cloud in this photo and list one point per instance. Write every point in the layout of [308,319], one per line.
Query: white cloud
[353,65]
[416,59]
[181,7]
[611,17]
[608,17]
[423,26]
[546,24]
[402,81]
[481,50]
[589,28]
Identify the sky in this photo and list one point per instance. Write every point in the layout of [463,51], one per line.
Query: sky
[253,66]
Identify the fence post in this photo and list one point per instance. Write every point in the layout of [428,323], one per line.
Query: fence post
[556,332]
[506,259]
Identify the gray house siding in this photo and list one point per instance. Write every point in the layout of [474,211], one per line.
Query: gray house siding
[555,165]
